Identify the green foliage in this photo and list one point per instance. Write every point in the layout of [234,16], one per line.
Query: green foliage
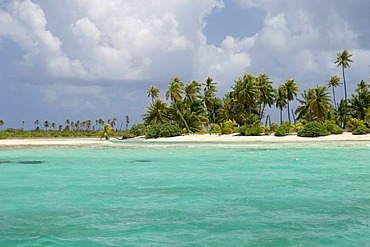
[251,130]
[106,132]
[282,131]
[162,130]
[354,123]
[138,130]
[332,127]
[215,129]
[313,129]
[361,130]
[227,127]
[274,126]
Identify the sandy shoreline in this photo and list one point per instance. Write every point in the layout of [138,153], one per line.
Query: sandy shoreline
[91,142]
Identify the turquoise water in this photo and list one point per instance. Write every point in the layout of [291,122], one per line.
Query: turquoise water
[158,194]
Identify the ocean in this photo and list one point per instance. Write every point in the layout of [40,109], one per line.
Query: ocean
[186,194]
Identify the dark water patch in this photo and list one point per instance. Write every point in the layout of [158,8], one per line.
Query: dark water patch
[143,161]
[5,162]
[257,150]
[31,162]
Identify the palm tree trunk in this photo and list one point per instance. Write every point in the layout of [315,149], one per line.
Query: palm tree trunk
[182,119]
[335,104]
[281,116]
[345,98]
[288,112]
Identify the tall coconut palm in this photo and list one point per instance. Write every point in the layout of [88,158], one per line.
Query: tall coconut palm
[281,101]
[334,83]
[153,92]
[1,124]
[209,98]
[174,92]
[127,121]
[290,89]
[266,92]
[343,60]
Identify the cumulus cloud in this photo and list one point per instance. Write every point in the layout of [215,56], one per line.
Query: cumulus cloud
[78,46]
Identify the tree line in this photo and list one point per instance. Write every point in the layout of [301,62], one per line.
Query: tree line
[195,108]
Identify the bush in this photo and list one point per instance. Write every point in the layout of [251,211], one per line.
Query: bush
[354,123]
[250,130]
[274,126]
[162,130]
[138,130]
[332,127]
[313,129]
[361,130]
[215,129]
[227,127]
[281,131]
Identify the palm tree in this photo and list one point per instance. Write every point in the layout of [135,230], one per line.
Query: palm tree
[106,132]
[266,92]
[157,113]
[1,124]
[281,101]
[192,92]
[37,122]
[46,125]
[153,92]
[246,92]
[290,89]
[334,83]
[175,89]
[53,125]
[343,59]
[209,98]
[315,104]
[127,121]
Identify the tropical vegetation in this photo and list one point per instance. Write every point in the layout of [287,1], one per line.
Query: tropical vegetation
[194,107]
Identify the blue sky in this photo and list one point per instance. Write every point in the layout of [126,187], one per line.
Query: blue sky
[89,59]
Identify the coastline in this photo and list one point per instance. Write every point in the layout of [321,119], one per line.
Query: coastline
[96,142]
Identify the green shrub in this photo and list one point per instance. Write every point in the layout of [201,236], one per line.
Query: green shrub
[361,130]
[274,126]
[215,129]
[332,127]
[313,129]
[138,130]
[250,130]
[354,123]
[227,127]
[281,131]
[162,130]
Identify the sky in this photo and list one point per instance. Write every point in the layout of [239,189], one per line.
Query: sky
[90,59]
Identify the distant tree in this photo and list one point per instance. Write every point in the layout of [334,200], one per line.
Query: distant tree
[23,125]
[290,89]
[1,124]
[37,123]
[53,125]
[343,60]
[106,132]
[46,125]
[127,121]
[281,102]
[334,83]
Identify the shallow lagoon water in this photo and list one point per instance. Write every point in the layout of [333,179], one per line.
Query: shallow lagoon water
[186,194]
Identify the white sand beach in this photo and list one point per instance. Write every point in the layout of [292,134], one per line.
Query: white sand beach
[87,142]
[265,138]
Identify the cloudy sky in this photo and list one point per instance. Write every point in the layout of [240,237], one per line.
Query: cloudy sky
[89,59]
